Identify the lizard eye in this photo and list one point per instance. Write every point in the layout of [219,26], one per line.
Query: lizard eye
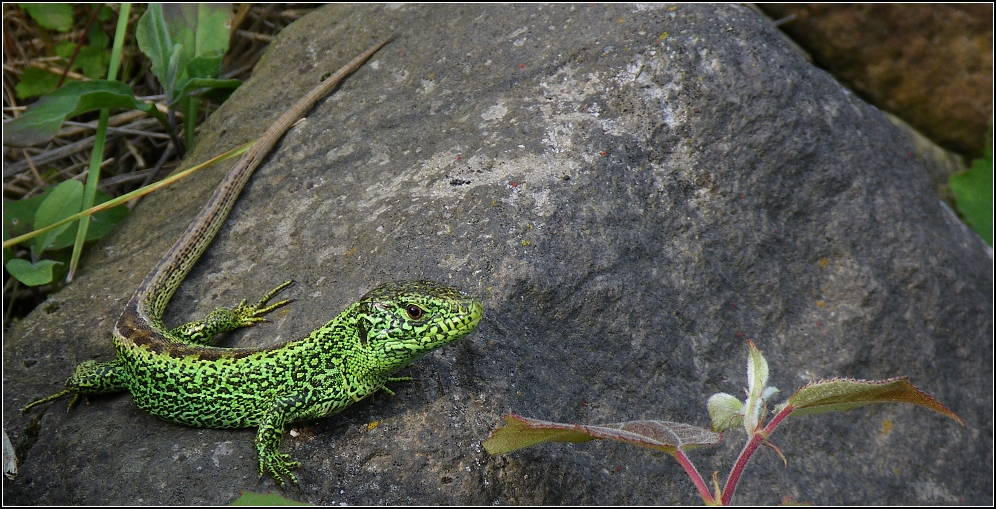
[414,312]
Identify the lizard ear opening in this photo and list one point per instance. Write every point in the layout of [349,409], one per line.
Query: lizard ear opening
[361,331]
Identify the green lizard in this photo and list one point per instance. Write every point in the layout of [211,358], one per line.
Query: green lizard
[173,374]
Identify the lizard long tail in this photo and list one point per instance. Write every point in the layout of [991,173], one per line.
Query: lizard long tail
[150,298]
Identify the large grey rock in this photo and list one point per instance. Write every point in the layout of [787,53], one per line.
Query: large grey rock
[633,192]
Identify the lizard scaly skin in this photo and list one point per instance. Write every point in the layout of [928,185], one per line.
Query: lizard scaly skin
[173,374]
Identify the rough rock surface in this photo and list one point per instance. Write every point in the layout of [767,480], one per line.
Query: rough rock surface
[931,64]
[633,192]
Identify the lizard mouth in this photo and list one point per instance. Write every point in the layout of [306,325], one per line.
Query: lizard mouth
[465,321]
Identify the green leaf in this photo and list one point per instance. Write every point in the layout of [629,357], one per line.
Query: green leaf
[725,411]
[19,218]
[205,85]
[8,253]
[34,82]
[184,41]
[173,78]
[973,192]
[757,379]
[105,14]
[32,274]
[664,436]
[93,62]
[841,394]
[202,30]
[98,38]
[57,17]
[19,215]
[41,121]
[63,201]
[520,432]
[103,222]
[250,498]
[757,369]
[769,392]
[154,40]
[204,66]
[65,49]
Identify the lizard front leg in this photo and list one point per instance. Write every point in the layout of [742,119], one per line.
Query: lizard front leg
[201,332]
[307,404]
[272,462]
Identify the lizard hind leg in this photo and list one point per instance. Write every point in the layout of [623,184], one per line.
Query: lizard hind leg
[90,377]
[201,332]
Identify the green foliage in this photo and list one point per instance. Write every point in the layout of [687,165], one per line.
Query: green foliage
[58,17]
[63,201]
[973,192]
[841,394]
[757,382]
[267,499]
[186,43]
[8,253]
[665,436]
[35,81]
[204,86]
[33,274]
[19,215]
[91,60]
[58,203]
[43,119]
[725,411]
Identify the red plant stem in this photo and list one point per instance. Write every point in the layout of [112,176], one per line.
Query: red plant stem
[755,441]
[693,473]
[777,419]
[738,467]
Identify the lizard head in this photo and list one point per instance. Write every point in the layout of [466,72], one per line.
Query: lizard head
[401,321]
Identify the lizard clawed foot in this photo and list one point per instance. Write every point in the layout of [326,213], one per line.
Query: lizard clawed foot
[201,332]
[53,397]
[277,466]
[251,314]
